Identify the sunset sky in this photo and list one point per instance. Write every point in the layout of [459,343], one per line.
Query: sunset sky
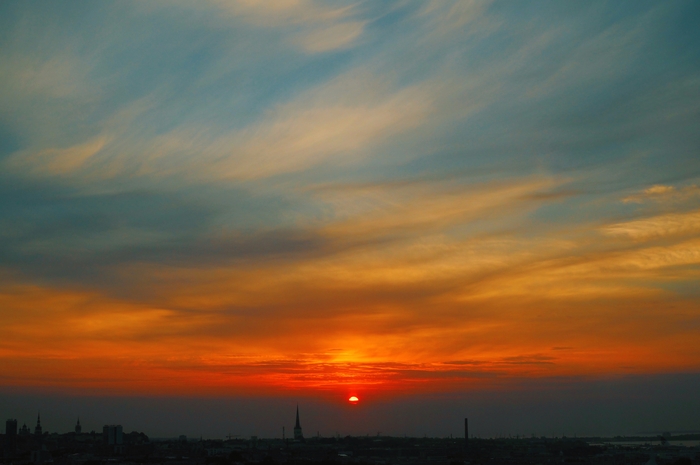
[406,201]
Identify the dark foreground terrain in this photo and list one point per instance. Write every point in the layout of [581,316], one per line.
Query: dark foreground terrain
[137,448]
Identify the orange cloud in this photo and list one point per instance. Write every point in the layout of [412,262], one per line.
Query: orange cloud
[406,292]
[661,193]
[670,224]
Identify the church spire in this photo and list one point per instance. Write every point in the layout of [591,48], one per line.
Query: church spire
[37,430]
[298,436]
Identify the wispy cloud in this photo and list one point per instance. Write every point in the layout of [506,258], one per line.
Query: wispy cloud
[662,193]
[57,162]
[339,122]
[671,224]
[188,190]
[313,25]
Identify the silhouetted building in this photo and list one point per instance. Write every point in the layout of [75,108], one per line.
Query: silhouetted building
[24,430]
[10,438]
[11,427]
[78,428]
[37,429]
[297,428]
[112,434]
[466,433]
[41,456]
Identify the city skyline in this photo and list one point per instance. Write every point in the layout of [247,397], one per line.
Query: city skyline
[114,445]
[625,407]
[446,209]
[112,434]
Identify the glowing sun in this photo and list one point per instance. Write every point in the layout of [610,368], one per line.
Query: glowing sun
[353,400]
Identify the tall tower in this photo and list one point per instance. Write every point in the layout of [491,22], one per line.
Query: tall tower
[298,436]
[112,435]
[37,429]
[466,434]
[10,428]
[10,438]
[78,428]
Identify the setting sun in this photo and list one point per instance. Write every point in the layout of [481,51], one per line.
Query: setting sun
[459,209]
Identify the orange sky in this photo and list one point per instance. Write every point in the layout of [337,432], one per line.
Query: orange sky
[399,305]
[367,198]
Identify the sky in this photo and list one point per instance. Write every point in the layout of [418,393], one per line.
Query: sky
[441,207]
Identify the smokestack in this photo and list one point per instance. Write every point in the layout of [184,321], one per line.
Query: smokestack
[466,433]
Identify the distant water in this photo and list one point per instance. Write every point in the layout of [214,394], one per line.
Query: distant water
[690,443]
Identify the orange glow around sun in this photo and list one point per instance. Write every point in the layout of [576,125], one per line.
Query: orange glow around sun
[351,231]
